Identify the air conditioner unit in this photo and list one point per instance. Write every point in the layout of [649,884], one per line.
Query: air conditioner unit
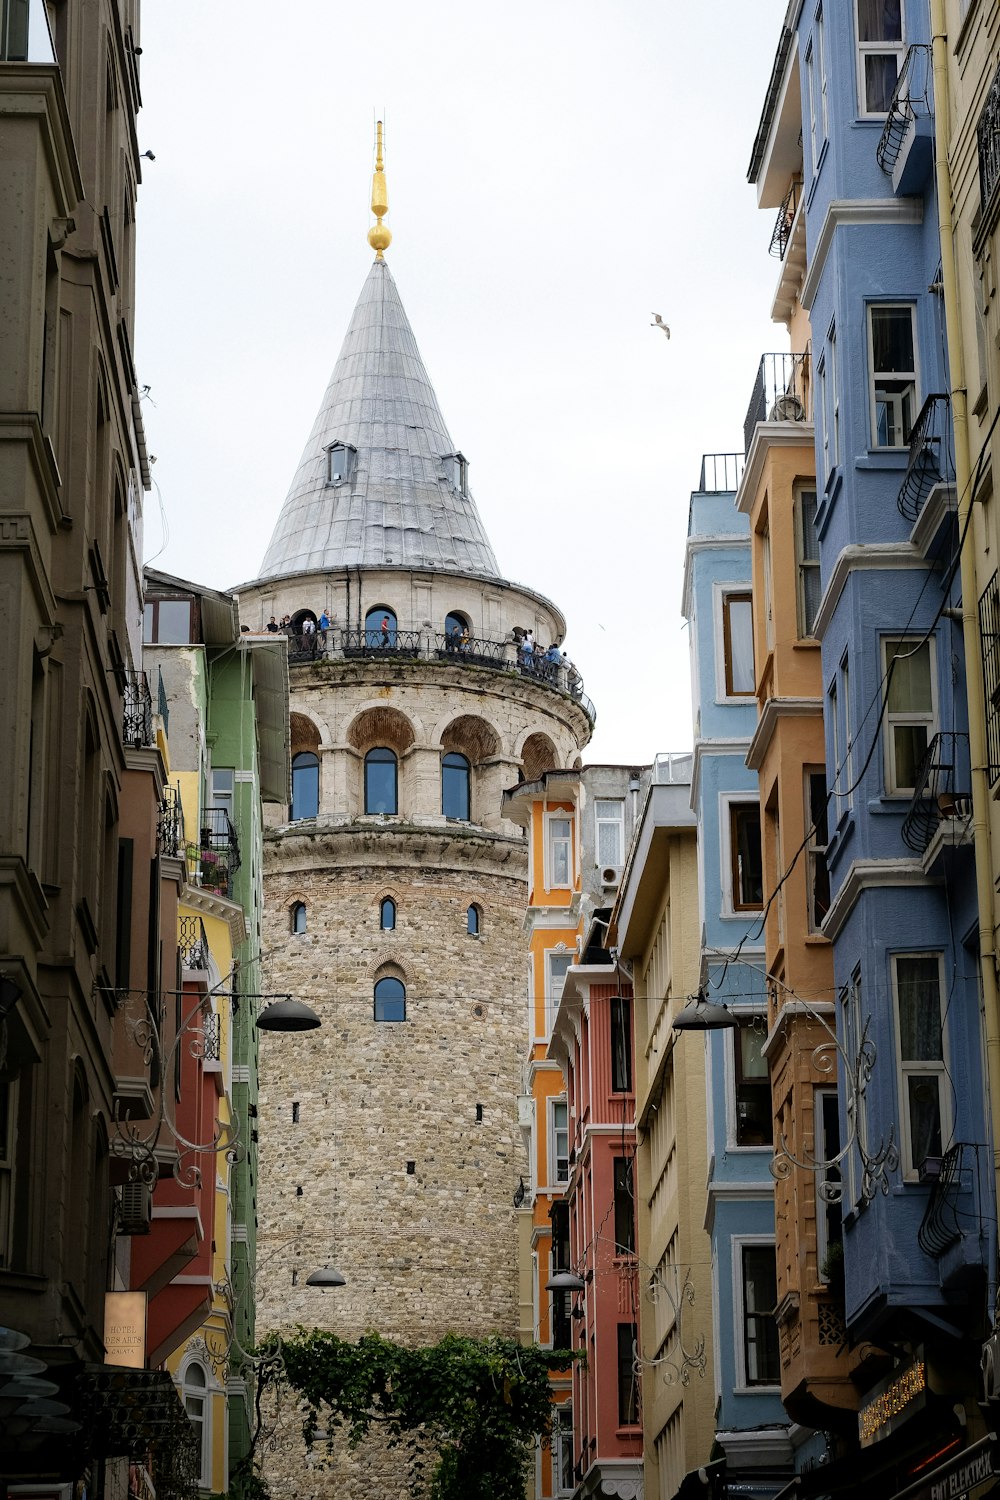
[136,1208]
[611,875]
[787,409]
[991,1368]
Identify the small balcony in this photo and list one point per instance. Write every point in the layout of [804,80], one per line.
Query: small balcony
[943,793]
[170,824]
[930,459]
[953,1228]
[373,643]
[721,473]
[782,233]
[989,636]
[193,943]
[988,142]
[137,714]
[781,393]
[905,148]
[219,851]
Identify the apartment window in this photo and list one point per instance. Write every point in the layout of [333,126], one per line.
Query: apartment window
[846,772]
[737,644]
[621,1044]
[455,779]
[387,914]
[820,52]
[752,1085]
[768,576]
[610,817]
[624,1200]
[194,1394]
[298,917]
[759,1288]
[558,1140]
[628,1380]
[834,393]
[564,1479]
[381,781]
[558,852]
[167,622]
[826,1133]
[910,709]
[305,785]
[918,994]
[880,53]
[8,1118]
[812,92]
[746,864]
[892,373]
[854,1033]
[817,874]
[556,968]
[390,999]
[807,561]
[223,783]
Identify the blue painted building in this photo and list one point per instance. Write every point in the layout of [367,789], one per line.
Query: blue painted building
[917,1205]
[752,1428]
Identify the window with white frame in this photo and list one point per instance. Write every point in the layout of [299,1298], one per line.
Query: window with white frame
[768,577]
[558,1141]
[8,1117]
[197,1404]
[918,997]
[817,838]
[610,817]
[880,53]
[754,1123]
[845,780]
[834,393]
[756,1328]
[807,561]
[746,869]
[223,783]
[853,1027]
[737,643]
[820,55]
[892,373]
[556,968]
[910,709]
[812,97]
[822,413]
[826,1135]
[558,851]
[563,1478]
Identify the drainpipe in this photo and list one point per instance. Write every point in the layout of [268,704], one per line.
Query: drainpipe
[970,591]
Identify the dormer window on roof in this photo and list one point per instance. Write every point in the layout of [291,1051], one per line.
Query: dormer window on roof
[456,467]
[341,458]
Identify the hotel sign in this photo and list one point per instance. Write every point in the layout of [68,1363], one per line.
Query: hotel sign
[125,1329]
[892,1403]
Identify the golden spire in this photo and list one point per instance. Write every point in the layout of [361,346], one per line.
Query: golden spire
[379,236]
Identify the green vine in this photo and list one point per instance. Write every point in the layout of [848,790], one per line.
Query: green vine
[465,1411]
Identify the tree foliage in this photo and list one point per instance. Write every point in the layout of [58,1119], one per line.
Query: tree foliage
[466,1411]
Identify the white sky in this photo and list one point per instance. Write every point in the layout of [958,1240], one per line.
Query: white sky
[557,171]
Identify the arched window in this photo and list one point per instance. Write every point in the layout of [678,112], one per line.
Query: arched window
[455,786]
[381,779]
[194,1394]
[298,917]
[305,785]
[387,915]
[380,626]
[390,1000]
[473,921]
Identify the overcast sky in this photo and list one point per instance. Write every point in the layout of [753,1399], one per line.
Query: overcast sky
[557,171]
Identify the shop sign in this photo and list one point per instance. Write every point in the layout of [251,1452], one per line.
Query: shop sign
[966,1471]
[125,1329]
[893,1402]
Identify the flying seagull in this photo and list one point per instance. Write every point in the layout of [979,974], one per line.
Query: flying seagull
[659,323]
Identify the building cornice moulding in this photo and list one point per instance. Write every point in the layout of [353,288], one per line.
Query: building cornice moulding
[868,875]
[858,558]
[775,709]
[847,212]
[768,435]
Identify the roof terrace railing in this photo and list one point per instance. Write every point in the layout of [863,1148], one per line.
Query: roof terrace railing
[930,461]
[471,649]
[780,393]
[911,99]
[721,473]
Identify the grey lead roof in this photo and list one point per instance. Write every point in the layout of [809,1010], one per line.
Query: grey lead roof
[400,505]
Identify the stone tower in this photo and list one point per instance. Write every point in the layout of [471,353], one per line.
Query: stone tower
[394,888]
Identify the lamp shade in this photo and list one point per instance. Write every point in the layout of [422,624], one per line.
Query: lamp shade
[704,1015]
[286,1014]
[565,1281]
[326,1276]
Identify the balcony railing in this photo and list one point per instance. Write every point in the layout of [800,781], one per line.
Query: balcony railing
[911,100]
[473,650]
[782,232]
[780,393]
[137,716]
[162,706]
[219,857]
[374,643]
[170,825]
[211,1050]
[988,141]
[989,638]
[930,460]
[193,943]
[943,791]
[721,473]
[947,1218]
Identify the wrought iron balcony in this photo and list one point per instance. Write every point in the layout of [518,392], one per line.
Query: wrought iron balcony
[988,141]
[721,473]
[137,716]
[780,393]
[374,643]
[220,850]
[211,1048]
[786,218]
[162,706]
[472,650]
[911,100]
[193,943]
[947,1218]
[943,790]
[989,636]
[930,460]
[170,824]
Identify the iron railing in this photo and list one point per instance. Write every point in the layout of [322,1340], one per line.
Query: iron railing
[989,638]
[780,393]
[930,459]
[945,1220]
[782,231]
[374,643]
[211,1049]
[988,141]
[137,714]
[721,473]
[220,850]
[471,650]
[943,791]
[170,824]
[162,706]
[193,943]
[911,100]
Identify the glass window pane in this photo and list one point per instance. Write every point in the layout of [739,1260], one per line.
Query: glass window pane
[380,782]
[390,1000]
[455,787]
[880,21]
[909,749]
[305,786]
[910,683]
[173,626]
[924,1097]
[740,644]
[807,526]
[918,978]
[748,871]
[147,623]
[892,330]
[388,915]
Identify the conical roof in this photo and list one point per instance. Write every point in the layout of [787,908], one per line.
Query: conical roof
[401,502]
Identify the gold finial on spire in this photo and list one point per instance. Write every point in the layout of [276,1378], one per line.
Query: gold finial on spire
[379,236]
